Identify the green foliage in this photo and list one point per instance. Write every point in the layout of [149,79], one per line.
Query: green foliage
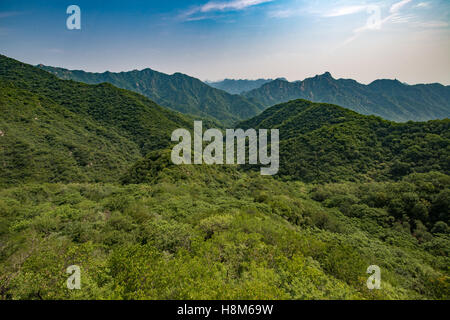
[210,238]
[86,179]
[416,200]
[389,99]
[178,92]
[327,143]
[55,130]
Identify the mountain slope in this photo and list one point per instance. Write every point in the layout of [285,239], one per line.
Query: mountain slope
[178,92]
[389,99]
[322,142]
[238,86]
[57,130]
[208,231]
[42,141]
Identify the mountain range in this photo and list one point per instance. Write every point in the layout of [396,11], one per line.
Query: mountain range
[178,92]
[389,99]
[86,179]
[61,130]
[238,86]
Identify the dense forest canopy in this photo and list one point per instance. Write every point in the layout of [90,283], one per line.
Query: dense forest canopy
[86,179]
[323,142]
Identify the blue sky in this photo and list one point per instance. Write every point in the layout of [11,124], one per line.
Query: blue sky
[404,39]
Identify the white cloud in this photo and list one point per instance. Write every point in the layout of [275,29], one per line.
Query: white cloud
[394,17]
[231,5]
[401,18]
[288,12]
[285,13]
[216,6]
[398,5]
[343,11]
[422,5]
[432,24]
[311,10]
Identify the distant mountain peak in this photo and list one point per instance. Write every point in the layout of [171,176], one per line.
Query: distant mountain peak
[178,91]
[325,75]
[387,98]
[280,80]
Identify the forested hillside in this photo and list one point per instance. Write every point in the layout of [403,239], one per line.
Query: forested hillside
[389,99]
[190,232]
[326,143]
[178,92]
[86,179]
[56,130]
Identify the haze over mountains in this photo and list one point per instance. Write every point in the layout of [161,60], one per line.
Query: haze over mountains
[389,99]
[178,92]
[238,86]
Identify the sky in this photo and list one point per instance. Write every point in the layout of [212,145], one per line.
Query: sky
[408,40]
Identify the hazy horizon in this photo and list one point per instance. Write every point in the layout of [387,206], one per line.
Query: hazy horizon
[249,79]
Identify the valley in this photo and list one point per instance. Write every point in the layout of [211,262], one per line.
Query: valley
[87,179]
